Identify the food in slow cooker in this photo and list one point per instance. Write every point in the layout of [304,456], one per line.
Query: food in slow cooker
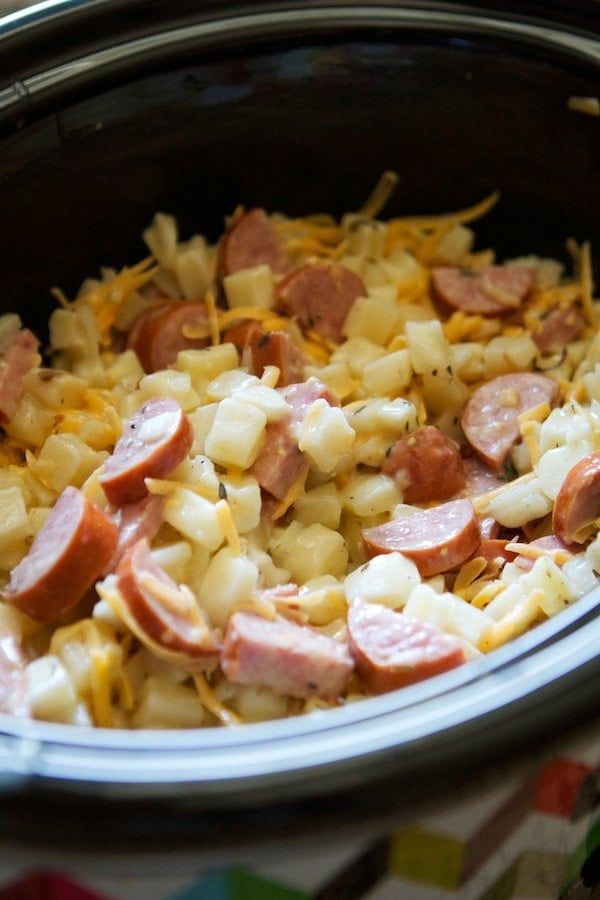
[315,461]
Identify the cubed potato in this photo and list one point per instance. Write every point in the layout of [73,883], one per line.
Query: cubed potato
[323,600]
[467,361]
[199,471]
[387,579]
[31,423]
[125,372]
[250,287]
[521,503]
[226,384]
[174,559]
[258,704]
[230,581]
[429,351]
[161,239]
[322,504]
[165,704]
[201,420]
[65,459]
[509,354]
[325,435]
[388,375]
[170,383]
[194,517]
[337,376]
[369,495]
[54,389]
[311,552]
[50,690]
[193,268]
[14,521]
[205,365]
[236,433]
[373,318]
[245,501]
[356,353]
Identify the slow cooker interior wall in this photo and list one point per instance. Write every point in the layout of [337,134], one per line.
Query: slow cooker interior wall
[299,129]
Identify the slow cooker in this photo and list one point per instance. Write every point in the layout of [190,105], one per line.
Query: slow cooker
[111,110]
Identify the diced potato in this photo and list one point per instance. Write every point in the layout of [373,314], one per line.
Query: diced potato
[31,423]
[563,426]
[161,239]
[245,501]
[508,354]
[229,582]
[269,574]
[193,268]
[258,704]
[10,323]
[199,471]
[312,552]
[236,433]
[325,435]
[554,465]
[453,246]
[164,704]
[174,559]
[546,577]
[369,495]
[65,459]
[366,238]
[401,266]
[467,361]
[205,365]
[169,383]
[266,399]
[37,515]
[250,287]
[394,417]
[14,521]
[125,372]
[194,517]
[372,318]
[201,420]
[323,600]
[337,376]
[444,391]
[521,503]
[427,346]
[50,690]
[387,579]
[356,353]
[322,504]
[229,383]
[389,375]
[54,389]
[414,312]
[448,613]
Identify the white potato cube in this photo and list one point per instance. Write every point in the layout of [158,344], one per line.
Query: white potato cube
[161,239]
[199,471]
[325,435]
[369,495]
[546,577]
[394,417]
[387,579]
[65,459]
[554,465]
[245,502]
[337,376]
[266,399]
[521,503]
[250,287]
[356,353]
[174,559]
[236,433]
[449,613]
[201,420]
[509,354]
[193,268]
[229,383]
[230,581]
[429,351]
[205,365]
[125,372]
[322,504]
[14,521]
[169,383]
[372,318]
[54,389]
[310,552]
[389,375]
[50,690]
[454,245]
[31,423]
[258,704]
[194,517]
[365,238]
[165,704]
[467,360]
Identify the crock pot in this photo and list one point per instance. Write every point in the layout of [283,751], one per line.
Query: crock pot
[112,110]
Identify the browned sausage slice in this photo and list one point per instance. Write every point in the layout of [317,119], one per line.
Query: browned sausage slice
[136,521]
[165,613]
[577,504]
[490,418]
[68,554]
[280,462]
[426,466]
[252,241]
[290,659]
[321,297]
[276,348]
[436,539]
[18,356]
[491,291]
[479,478]
[494,549]
[157,334]
[154,441]
[392,650]
[14,700]
[558,328]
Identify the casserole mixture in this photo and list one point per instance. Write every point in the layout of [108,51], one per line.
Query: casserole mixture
[316,461]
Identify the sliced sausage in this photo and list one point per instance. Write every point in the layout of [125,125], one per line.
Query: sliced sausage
[154,441]
[560,326]
[163,612]
[426,466]
[276,348]
[252,241]
[280,462]
[14,699]
[479,478]
[243,335]
[18,356]
[136,521]
[490,418]
[157,334]
[436,539]
[392,650]
[577,504]
[549,542]
[289,659]
[321,297]
[494,549]
[491,291]
[67,556]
